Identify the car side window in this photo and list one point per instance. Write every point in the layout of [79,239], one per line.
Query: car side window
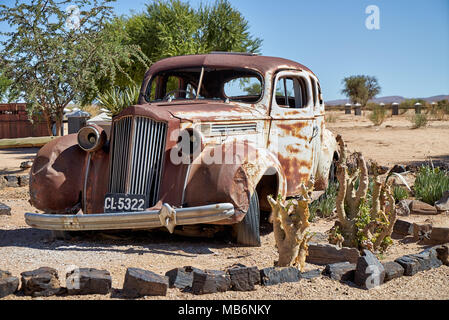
[320,95]
[291,92]
[314,90]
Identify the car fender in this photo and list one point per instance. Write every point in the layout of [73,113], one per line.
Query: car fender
[232,177]
[57,176]
[329,148]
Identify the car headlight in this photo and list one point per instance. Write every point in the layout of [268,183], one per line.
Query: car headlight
[91,138]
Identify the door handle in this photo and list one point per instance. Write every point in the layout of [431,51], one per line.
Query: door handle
[314,133]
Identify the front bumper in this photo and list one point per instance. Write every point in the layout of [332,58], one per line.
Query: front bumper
[166,217]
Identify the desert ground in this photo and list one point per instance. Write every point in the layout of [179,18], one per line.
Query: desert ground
[394,142]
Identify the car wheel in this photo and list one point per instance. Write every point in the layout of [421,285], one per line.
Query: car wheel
[248,230]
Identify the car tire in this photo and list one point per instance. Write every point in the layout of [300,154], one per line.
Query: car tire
[333,172]
[248,230]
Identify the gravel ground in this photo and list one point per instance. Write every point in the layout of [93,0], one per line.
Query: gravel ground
[23,248]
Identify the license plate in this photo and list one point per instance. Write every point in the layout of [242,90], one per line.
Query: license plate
[117,202]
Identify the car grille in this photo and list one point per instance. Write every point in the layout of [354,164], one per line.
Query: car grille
[137,155]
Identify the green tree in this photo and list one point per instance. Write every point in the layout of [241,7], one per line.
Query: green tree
[360,89]
[55,56]
[410,103]
[5,83]
[170,28]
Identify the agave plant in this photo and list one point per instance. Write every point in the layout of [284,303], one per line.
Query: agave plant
[117,99]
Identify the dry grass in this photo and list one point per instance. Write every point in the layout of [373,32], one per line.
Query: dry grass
[331,118]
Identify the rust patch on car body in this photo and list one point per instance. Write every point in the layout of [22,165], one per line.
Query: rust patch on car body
[293,129]
[297,171]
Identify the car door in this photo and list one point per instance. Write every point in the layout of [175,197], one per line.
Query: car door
[293,127]
[318,121]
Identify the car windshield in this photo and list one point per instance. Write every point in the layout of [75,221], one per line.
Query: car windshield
[216,84]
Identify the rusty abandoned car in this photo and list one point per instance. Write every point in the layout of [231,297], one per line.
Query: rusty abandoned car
[211,137]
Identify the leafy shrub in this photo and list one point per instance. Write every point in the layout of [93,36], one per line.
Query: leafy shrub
[378,115]
[325,205]
[419,120]
[440,110]
[399,193]
[430,184]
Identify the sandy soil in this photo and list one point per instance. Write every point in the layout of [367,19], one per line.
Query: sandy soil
[10,159]
[23,248]
[394,142]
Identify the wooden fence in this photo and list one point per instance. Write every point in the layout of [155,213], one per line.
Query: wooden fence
[14,123]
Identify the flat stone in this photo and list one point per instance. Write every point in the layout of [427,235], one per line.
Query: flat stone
[181,278]
[443,253]
[88,281]
[403,208]
[403,228]
[42,282]
[4,210]
[369,273]
[443,203]
[12,181]
[323,254]
[8,284]
[341,271]
[210,281]
[244,278]
[412,168]
[414,263]
[438,235]
[428,259]
[419,207]
[24,180]
[274,275]
[316,273]
[410,264]
[393,270]
[140,283]
[422,231]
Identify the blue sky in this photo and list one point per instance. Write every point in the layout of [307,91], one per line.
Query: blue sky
[409,54]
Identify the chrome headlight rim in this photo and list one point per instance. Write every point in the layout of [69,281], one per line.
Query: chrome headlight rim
[87,133]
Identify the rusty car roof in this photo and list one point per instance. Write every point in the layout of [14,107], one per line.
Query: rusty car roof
[262,64]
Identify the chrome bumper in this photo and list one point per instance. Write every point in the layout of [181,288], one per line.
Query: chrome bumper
[166,217]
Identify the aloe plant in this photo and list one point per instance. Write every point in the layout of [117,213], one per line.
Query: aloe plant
[431,183]
[116,99]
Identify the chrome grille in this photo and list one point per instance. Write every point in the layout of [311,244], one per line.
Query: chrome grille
[137,155]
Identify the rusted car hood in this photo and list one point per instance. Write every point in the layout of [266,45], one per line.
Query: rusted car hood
[208,110]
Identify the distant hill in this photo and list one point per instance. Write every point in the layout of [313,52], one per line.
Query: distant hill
[387,100]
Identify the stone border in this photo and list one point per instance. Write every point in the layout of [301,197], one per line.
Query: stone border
[425,234]
[14,181]
[366,274]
